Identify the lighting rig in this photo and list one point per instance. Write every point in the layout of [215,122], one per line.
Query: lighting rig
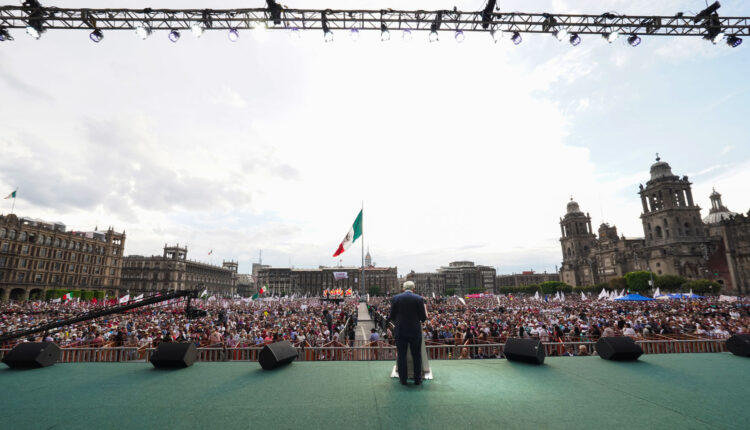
[36,19]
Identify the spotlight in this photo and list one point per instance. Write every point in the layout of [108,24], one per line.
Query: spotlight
[354,34]
[714,32]
[33,32]
[327,33]
[174,36]
[96,36]
[197,28]
[496,34]
[406,35]
[275,10]
[4,35]
[233,35]
[718,37]
[385,35]
[732,41]
[575,39]
[707,12]
[487,14]
[143,30]
[459,36]
[611,36]
[561,34]
[516,38]
[435,26]
[634,40]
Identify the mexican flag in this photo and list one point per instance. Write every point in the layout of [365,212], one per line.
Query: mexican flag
[11,195]
[354,233]
[263,289]
[68,296]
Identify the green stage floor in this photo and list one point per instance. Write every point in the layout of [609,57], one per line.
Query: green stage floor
[678,391]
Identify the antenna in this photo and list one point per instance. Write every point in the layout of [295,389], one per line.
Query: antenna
[260,257]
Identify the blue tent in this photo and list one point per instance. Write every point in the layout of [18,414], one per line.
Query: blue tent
[685,296]
[634,298]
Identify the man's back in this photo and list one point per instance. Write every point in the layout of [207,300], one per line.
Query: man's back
[407,312]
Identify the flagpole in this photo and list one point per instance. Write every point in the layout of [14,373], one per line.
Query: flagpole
[13,205]
[363,246]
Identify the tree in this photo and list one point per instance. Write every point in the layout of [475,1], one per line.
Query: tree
[374,290]
[551,287]
[617,283]
[703,286]
[476,290]
[450,292]
[638,281]
[669,282]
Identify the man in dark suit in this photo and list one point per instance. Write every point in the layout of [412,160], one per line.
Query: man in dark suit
[408,312]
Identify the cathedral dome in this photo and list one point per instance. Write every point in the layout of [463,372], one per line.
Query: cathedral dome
[718,211]
[573,207]
[660,169]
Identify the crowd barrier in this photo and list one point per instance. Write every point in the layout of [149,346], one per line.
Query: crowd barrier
[380,351]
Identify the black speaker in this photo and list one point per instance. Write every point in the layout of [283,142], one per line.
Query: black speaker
[277,354]
[31,355]
[618,348]
[526,350]
[739,344]
[174,355]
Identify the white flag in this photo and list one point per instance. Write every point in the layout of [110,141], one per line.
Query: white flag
[204,293]
[536,295]
[433,294]
[657,293]
[603,294]
[139,297]
[583,297]
[562,296]
[125,298]
[460,299]
[55,300]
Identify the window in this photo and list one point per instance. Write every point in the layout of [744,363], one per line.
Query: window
[71,267]
[12,234]
[112,271]
[58,254]
[4,247]
[2,261]
[43,252]
[38,278]
[57,243]
[3,232]
[658,232]
[40,265]
[53,279]
[57,267]
[25,249]
[72,256]
[20,277]
[63,244]
[22,236]
[48,241]
[21,262]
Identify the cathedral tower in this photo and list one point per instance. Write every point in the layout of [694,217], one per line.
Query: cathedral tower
[577,241]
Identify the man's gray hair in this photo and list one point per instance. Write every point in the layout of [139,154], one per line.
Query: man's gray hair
[408,285]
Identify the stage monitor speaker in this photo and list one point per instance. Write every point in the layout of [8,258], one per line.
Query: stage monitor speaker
[739,344]
[525,350]
[174,355]
[31,355]
[276,354]
[618,348]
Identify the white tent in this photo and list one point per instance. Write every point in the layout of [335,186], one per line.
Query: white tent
[603,294]
[583,297]
[536,295]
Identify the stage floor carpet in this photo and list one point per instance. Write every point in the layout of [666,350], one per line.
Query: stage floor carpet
[681,391]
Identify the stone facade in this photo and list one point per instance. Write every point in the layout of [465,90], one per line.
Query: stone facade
[676,240]
[36,256]
[458,276]
[312,282]
[172,271]
[525,278]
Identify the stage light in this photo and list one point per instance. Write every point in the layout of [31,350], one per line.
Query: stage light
[233,35]
[435,26]
[33,32]
[718,37]
[560,34]
[459,36]
[714,32]
[434,36]
[354,34]
[496,34]
[327,33]
[734,41]
[143,30]
[575,39]
[487,14]
[707,12]
[516,38]
[197,28]
[4,35]
[174,36]
[96,36]
[385,35]
[634,40]
[275,10]
[611,36]
[406,35]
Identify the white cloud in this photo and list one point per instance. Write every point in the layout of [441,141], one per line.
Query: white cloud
[229,97]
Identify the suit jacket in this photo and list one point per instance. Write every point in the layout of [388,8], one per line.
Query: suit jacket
[407,312]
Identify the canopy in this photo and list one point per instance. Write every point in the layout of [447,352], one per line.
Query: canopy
[685,296]
[634,298]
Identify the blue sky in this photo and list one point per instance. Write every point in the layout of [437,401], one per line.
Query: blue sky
[460,151]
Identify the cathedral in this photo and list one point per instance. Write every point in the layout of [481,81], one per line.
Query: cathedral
[676,240]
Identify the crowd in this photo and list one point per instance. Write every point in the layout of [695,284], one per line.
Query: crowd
[493,319]
[314,322]
[226,323]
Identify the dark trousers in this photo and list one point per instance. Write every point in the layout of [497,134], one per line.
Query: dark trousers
[415,345]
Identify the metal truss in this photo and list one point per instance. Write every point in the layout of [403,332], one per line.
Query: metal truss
[53,18]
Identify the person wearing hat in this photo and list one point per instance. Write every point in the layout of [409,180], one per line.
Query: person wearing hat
[408,312]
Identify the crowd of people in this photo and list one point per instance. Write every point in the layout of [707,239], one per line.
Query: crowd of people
[230,323]
[494,319]
[225,323]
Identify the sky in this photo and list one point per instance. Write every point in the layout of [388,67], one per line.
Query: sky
[464,151]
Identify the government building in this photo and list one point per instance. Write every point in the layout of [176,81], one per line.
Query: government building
[459,277]
[172,271]
[37,255]
[676,240]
